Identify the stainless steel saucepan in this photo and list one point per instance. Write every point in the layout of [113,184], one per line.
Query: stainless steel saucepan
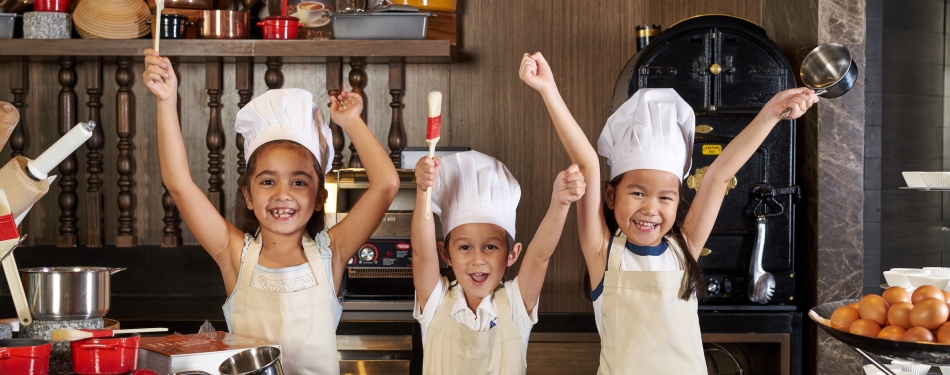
[829,70]
[67,293]
[263,360]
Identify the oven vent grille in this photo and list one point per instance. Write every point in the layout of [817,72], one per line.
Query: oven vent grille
[380,272]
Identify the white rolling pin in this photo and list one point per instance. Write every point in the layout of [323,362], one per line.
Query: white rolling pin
[40,167]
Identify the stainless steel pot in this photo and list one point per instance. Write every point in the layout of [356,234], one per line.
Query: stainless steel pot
[222,24]
[264,360]
[67,293]
[829,70]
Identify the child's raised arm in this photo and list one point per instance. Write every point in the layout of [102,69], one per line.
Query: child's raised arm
[196,210]
[702,214]
[568,188]
[425,252]
[352,232]
[592,228]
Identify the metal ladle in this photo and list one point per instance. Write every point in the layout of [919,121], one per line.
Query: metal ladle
[829,70]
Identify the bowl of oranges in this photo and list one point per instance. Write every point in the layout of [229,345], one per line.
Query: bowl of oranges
[896,324]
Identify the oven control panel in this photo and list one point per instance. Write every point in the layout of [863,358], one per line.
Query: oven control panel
[727,288]
[388,252]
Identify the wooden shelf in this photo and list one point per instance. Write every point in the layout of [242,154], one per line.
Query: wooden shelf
[190,50]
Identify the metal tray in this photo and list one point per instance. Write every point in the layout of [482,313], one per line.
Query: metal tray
[385,25]
[931,354]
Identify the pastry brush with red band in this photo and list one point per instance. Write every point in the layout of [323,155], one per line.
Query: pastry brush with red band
[433,133]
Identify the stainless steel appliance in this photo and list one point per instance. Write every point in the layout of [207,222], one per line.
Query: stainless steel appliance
[379,276]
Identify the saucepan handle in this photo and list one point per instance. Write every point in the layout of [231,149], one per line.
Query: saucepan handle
[114,270]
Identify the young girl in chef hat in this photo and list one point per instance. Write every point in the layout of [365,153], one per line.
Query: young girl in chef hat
[281,265]
[477,324]
[645,270]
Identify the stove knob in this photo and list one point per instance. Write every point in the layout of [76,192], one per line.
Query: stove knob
[712,286]
[367,253]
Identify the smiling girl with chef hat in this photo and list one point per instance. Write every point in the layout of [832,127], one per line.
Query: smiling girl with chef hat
[479,324]
[281,265]
[643,265]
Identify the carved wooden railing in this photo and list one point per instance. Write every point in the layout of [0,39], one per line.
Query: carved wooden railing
[90,56]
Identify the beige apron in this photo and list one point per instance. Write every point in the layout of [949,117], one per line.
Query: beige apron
[452,348]
[301,322]
[646,327]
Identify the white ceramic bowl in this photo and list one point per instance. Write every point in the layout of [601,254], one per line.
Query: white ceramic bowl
[897,279]
[913,179]
[938,271]
[936,179]
[917,281]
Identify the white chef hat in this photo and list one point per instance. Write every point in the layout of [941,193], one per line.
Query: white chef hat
[475,188]
[285,114]
[654,129]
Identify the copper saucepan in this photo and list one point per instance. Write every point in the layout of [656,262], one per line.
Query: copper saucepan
[222,24]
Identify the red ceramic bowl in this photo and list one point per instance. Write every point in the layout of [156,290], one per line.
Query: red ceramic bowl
[51,5]
[24,356]
[105,355]
[280,27]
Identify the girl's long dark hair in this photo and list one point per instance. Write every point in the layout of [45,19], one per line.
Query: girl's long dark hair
[695,282]
[245,219]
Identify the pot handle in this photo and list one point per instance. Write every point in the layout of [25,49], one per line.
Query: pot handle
[260,24]
[113,271]
[97,346]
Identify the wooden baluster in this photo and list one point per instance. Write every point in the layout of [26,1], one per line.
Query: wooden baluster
[273,77]
[244,80]
[19,84]
[334,84]
[125,129]
[94,146]
[397,134]
[357,79]
[171,231]
[67,169]
[214,79]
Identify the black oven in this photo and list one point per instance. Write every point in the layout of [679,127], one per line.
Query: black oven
[726,68]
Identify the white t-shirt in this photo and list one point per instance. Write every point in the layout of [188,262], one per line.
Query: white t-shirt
[486,316]
[652,259]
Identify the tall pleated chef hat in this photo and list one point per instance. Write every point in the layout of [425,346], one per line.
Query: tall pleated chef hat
[654,129]
[285,114]
[475,188]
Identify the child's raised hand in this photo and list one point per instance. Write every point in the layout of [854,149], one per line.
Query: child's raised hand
[345,108]
[159,77]
[536,72]
[798,100]
[569,186]
[427,170]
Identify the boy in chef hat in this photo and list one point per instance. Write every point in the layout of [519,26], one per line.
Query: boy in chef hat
[280,263]
[642,263]
[477,324]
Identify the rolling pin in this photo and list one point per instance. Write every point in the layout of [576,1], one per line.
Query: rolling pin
[9,117]
[25,181]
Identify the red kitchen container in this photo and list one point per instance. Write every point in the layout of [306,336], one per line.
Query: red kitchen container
[24,356]
[279,27]
[51,5]
[105,355]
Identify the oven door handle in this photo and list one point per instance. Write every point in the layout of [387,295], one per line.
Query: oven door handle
[761,283]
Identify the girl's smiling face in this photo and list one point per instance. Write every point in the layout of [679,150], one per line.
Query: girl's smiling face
[644,204]
[284,189]
[479,256]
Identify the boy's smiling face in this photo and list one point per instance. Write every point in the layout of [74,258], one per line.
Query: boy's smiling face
[479,256]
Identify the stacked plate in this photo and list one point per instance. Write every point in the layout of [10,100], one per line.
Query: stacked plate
[927,180]
[112,19]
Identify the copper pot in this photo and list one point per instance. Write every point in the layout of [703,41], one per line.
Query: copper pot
[222,24]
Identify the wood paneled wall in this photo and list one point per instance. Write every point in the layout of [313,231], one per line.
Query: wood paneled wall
[487,108]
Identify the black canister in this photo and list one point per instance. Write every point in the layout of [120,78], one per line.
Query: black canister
[173,26]
[645,33]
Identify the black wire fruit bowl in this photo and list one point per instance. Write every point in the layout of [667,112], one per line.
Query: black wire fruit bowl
[919,352]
